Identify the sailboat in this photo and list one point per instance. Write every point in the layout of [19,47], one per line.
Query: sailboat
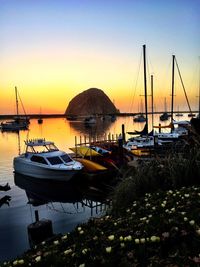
[19,122]
[178,114]
[40,120]
[140,117]
[165,116]
[144,141]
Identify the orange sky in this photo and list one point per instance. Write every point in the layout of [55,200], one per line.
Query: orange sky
[53,56]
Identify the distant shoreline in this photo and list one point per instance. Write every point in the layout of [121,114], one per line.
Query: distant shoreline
[36,116]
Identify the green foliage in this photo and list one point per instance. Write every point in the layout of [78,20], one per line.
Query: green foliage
[171,172]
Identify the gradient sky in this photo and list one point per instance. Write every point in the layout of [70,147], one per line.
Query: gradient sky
[54,49]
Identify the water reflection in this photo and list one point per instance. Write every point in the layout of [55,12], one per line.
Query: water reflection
[39,192]
[98,129]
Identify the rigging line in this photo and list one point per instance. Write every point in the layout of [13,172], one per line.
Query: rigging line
[21,103]
[136,83]
[183,86]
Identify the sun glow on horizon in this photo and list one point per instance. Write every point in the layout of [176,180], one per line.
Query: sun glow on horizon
[53,56]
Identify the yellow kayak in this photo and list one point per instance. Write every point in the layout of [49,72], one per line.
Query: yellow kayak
[91,165]
[139,152]
[85,151]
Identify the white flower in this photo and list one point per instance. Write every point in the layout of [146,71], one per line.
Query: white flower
[21,261]
[79,229]
[56,242]
[122,245]
[121,238]
[198,231]
[95,237]
[155,238]
[38,258]
[84,251]
[108,249]
[128,210]
[115,224]
[82,265]
[142,240]
[68,251]
[185,219]
[111,237]
[81,232]
[15,262]
[187,195]
[137,241]
[43,243]
[128,238]
[192,222]
[64,237]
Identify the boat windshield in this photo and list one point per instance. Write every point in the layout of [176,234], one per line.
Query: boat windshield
[66,158]
[38,159]
[55,160]
[41,148]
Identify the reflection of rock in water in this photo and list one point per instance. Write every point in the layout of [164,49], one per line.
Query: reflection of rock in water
[97,129]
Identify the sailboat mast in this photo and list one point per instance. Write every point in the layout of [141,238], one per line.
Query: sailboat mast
[17,108]
[145,84]
[152,99]
[199,87]
[172,103]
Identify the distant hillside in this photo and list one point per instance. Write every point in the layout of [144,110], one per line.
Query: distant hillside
[91,101]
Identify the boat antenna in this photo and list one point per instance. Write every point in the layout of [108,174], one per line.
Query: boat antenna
[145,84]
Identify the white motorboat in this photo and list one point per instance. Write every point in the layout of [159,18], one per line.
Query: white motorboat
[89,120]
[42,159]
[139,142]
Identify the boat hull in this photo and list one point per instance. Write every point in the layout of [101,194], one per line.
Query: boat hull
[43,172]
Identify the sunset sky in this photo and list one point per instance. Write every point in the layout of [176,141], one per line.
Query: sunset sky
[53,50]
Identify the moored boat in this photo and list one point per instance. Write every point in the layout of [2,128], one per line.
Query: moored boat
[42,159]
[19,122]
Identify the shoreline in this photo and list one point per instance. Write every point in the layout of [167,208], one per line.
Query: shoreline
[36,116]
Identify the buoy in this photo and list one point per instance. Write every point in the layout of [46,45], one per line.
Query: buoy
[39,231]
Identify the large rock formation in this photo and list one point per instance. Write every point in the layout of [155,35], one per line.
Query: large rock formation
[91,101]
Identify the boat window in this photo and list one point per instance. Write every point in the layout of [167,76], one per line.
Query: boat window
[55,160]
[38,159]
[66,158]
[51,147]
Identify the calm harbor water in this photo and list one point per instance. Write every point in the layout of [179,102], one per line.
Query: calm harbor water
[65,205]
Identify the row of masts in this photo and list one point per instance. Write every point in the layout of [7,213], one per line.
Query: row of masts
[172,89]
